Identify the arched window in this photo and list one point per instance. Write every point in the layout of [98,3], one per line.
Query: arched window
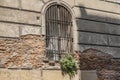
[58,31]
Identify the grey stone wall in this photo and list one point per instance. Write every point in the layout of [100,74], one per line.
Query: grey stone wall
[96,21]
[98,25]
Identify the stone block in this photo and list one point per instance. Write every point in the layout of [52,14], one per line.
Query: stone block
[19,16]
[99,5]
[30,30]
[114,51]
[113,29]
[93,14]
[57,74]
[88,75]
[92,38]
[26,74]
[114,40]
[89,13]
[114,1]
[77,12]
[53,75]
[96,15]
[33,5]
[113,18]
[6,74]
[70,2]
[117,1]
[101,27]
[10,3]
[9,30]
[91,26]
[46,1]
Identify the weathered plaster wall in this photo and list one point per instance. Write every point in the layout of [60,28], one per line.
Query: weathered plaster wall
[96,22]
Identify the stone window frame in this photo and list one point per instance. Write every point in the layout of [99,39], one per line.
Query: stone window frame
[70,9]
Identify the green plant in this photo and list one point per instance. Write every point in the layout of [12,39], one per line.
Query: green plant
[68,65]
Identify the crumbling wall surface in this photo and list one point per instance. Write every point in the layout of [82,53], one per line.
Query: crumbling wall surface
[106,74]
[111,72]
[92,59]
[28,51]
[108,68]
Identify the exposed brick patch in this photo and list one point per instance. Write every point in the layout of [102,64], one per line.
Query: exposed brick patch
[26,52]
[92,59]
[106,74]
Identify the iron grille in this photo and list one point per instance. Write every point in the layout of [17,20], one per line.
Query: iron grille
[58,32]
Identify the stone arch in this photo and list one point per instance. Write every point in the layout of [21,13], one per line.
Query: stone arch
[69,8]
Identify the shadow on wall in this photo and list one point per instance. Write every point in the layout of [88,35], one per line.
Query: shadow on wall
[98,29]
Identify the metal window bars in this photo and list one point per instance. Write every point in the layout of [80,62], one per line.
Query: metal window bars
[58,32]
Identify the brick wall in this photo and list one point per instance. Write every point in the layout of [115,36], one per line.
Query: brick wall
[28,51]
